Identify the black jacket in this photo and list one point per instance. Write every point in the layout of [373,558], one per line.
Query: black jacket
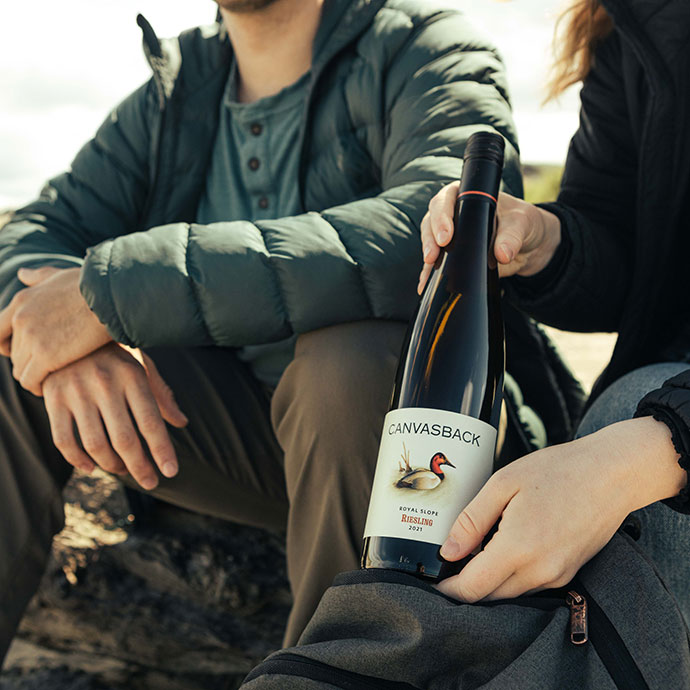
[623,204]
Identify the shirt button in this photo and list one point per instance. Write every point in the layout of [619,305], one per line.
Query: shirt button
[256,128]
[254,163]
[263,203]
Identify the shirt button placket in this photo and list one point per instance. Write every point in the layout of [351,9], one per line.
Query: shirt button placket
[257,129]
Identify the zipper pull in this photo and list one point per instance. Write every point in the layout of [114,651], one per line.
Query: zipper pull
[578,617]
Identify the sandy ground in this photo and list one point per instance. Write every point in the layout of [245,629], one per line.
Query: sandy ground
[586,353]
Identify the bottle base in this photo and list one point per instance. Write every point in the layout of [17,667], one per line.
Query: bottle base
[415,558]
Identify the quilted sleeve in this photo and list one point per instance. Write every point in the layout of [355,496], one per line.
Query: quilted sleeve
[101,196]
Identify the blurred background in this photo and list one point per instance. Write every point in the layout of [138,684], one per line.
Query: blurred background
[64,65]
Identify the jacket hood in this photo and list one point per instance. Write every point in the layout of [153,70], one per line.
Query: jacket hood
[341,22]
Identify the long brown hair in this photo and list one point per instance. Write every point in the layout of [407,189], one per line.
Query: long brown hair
[581,27]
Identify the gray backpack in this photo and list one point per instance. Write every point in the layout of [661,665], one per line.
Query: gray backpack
[615,626]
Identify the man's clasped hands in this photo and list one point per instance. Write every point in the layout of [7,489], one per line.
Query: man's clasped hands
[101,397]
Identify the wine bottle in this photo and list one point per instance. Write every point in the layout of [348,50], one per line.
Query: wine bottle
[439,437]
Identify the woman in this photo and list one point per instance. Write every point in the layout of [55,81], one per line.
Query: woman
[609,255]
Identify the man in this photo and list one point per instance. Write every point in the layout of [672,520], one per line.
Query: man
[250,217]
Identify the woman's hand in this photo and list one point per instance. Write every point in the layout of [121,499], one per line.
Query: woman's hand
[526,239]
[558,507]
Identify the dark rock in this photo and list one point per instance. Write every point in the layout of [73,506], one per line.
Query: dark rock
[185,602]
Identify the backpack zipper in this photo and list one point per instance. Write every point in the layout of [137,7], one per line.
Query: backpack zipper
[588,622]
[611,648]
[579,633]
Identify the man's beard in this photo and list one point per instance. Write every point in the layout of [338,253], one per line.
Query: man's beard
[245,5]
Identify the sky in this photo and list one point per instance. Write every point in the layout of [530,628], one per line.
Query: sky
[64,65]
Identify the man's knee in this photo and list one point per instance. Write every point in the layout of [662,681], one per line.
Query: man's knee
[340,375]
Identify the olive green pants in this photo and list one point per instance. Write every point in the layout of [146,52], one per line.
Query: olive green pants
[301,459]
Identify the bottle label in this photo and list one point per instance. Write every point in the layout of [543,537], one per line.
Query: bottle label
[431,464]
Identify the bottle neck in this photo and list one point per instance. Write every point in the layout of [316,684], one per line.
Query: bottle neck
[481,177]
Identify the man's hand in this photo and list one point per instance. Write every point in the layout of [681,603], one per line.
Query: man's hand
[108,395]
[558,507]
[48,325]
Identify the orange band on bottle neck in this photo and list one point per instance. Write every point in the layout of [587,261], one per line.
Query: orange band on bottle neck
[478,194]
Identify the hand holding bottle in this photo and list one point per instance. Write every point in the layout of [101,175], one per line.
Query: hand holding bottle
[526,239]
[558,507]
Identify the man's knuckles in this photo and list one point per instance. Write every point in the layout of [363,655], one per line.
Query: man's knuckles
[124,441]
[150,423]
[133,374]
[95,445]
[65,443]
[19,300]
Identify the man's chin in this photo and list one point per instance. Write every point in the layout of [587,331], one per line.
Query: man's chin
[245,5]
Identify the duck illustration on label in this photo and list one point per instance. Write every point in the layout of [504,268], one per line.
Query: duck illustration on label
[420,478]
[431,464]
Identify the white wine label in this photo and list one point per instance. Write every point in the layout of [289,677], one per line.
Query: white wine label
[431,464]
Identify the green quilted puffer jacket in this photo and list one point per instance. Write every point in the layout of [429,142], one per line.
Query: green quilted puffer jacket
[397,87]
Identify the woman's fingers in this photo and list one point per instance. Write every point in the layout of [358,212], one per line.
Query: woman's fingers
[484,574]
[515,225]
[423,277]
[480,515]
[441,210]
[517,585]
[437,229]
[430,252]
[494,565]
[430,249]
